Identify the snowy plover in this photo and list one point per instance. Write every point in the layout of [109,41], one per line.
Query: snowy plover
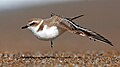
[51,28]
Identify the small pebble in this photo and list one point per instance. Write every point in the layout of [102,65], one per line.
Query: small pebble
[60,59]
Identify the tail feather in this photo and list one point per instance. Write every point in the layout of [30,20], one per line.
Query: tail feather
[91,34]
[95,36]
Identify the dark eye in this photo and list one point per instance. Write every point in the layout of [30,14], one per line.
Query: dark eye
[32,24]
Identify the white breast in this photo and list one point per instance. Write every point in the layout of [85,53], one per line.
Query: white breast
[48,33]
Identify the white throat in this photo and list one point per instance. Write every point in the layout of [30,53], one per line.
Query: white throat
[33,29]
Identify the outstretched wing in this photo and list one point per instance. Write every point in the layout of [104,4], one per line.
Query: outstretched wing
[70,26]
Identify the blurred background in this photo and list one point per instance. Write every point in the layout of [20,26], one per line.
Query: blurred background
[101,16]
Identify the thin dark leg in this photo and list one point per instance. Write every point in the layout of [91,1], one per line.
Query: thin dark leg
[51,52]
[76,17]
[73,18]
[51,44]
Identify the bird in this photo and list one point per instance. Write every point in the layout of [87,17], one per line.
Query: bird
[51,28]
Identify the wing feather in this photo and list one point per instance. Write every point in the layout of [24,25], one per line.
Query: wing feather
[75,28]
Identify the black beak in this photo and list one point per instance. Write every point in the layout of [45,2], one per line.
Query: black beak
[24,27]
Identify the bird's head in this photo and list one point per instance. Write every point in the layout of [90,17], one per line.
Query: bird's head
[32,23]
